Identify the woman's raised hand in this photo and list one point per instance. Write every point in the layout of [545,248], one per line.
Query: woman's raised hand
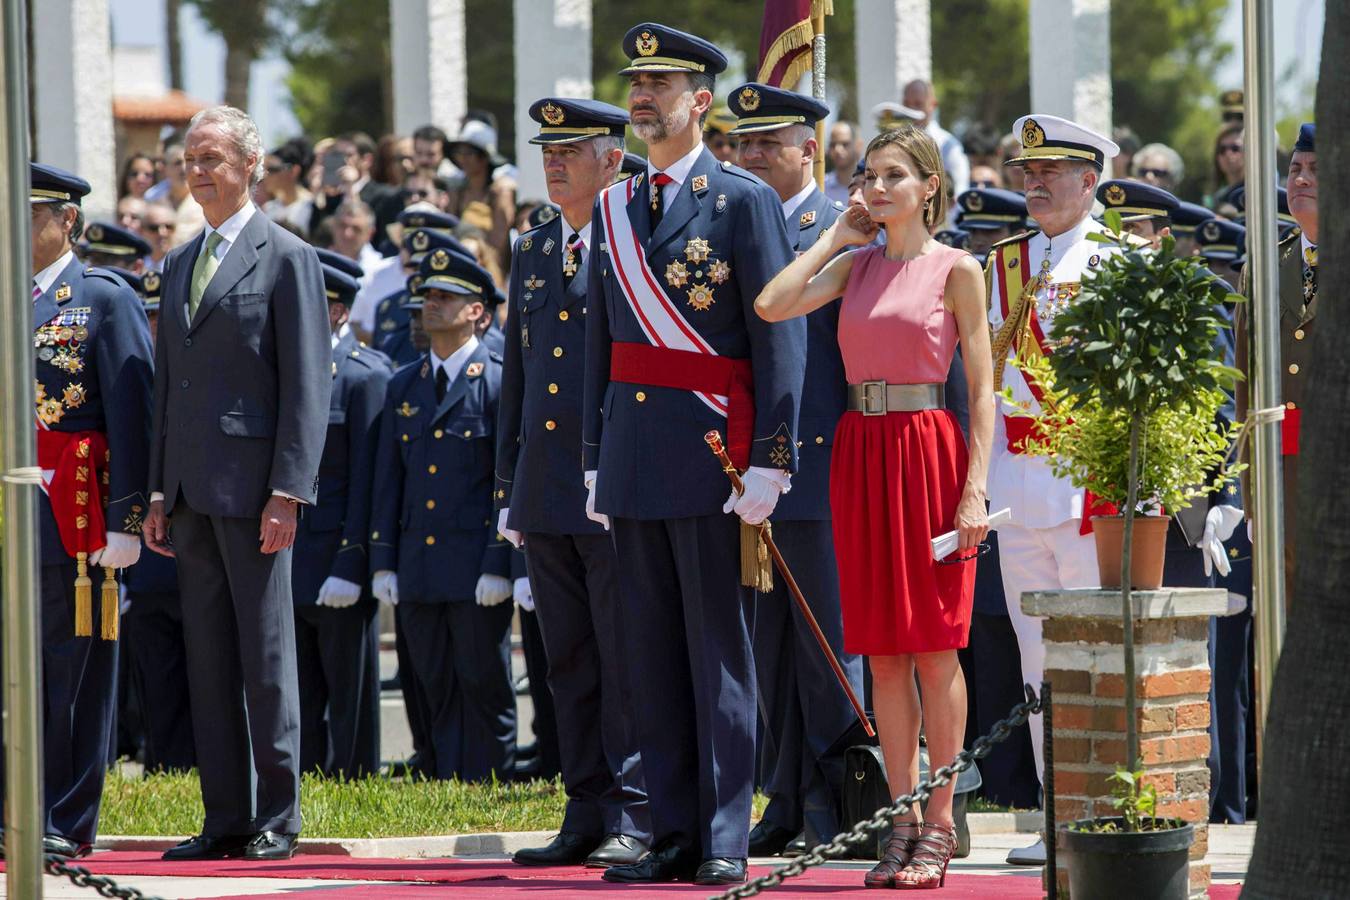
[853,228]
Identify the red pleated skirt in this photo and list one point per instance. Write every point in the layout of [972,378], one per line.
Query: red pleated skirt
[895,483]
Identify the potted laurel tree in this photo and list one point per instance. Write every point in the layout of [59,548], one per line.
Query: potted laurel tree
[1131,395]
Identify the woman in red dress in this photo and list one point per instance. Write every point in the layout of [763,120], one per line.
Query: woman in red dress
[901,473]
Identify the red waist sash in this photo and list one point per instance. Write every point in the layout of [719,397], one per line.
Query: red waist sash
[686,370]
[1290,426]
[79,461]
[1023,430]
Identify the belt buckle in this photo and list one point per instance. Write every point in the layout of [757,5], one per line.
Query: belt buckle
[873,398]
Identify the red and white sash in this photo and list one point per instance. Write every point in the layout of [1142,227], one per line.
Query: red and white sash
[661,321]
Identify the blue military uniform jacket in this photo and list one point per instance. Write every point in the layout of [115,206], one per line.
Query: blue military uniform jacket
[433,520]
[825,390]
[331,536]
[647,442]
[539,474]
[393,329]
[93,373]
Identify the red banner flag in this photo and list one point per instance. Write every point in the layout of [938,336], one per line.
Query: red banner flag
[785,40]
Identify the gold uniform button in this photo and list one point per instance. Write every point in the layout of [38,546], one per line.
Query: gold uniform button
[641,397]
[1293,368]
[553,389]
[562,315]
[431,504]
[374,535]
[1299,334]
[431,539]
[344,542]
[550,424]
[820,439]
[438,434]
[1291,405]
[405,438]
[468,433]
[557,352]
[431,469]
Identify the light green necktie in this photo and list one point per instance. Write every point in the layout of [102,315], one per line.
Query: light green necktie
[202,272]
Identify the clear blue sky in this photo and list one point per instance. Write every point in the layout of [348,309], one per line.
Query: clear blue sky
[1298,40]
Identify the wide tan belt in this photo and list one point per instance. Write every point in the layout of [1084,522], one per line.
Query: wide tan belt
[876,398]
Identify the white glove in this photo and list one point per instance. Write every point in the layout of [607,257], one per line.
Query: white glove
[763,487]
[1249,531]
[515,537]
[385,586]
[1236,603]
[491,590]
[1220,522]
[524,597]
[338,593]
[122,551]
[599,518]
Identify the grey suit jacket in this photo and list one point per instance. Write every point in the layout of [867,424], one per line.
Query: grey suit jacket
[241,392]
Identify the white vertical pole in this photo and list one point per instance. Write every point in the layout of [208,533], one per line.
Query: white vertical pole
[894,43]
[1071,61]
[552,59]
[430,73]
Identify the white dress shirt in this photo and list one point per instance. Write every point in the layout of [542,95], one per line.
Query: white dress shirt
[678,170]
[454,364]
[583,234]
[791,204]
[1026,484]
[47,277]
[341,333]
[229,231]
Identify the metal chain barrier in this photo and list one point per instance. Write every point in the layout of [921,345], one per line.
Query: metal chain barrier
[82,877]
[883,818]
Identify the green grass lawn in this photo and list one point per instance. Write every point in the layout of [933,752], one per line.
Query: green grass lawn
[170,804]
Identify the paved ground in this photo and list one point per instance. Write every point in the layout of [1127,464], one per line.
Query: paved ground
[1230,849]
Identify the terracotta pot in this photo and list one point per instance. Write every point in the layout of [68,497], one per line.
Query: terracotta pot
[1150,546]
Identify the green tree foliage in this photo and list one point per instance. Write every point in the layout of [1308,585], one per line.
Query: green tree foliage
[247,28]
[981,66]
[341,77]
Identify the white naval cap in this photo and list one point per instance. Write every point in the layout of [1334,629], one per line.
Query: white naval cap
[890,115]
[1050,137]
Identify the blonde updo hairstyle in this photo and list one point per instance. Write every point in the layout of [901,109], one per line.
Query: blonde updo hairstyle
[923,152]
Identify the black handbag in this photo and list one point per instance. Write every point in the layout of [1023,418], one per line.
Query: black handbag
[866,790]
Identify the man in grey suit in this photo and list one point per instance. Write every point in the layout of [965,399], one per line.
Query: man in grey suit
[241,397]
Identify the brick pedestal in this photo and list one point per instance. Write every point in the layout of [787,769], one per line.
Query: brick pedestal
[1084,662]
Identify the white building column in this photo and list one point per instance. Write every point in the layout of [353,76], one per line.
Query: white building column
[72,108]
[1071,61]
[552,59]
[430,73]
[894,40]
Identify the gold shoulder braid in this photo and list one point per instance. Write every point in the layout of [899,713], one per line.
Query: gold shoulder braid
[1015,325]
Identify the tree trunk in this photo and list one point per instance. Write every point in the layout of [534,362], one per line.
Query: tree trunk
[238,68]
[174,40]
[1305,785]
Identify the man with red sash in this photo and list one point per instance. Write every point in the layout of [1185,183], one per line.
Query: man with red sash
[1048,545]
[92,354]
[674,349]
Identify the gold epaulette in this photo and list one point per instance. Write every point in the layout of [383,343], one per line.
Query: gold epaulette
[1023,236]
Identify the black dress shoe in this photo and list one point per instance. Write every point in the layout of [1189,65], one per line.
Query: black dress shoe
[616,850]
[272,845]
[796,846]
[721,871]
[208,846]
[670,863]
[56,845]
[567,849]
[767,839]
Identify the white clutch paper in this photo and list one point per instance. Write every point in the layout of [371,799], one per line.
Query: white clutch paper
[945,544]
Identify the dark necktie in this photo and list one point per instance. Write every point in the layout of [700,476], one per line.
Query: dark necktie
[659,181]
[442,382]
[572,259]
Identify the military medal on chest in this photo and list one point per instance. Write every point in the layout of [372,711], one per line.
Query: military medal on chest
[570,264]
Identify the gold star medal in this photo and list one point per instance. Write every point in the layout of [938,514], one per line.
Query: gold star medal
[719,271]
[676,274]
[50,411]
[570,263]
[67,361]
[701,297]
[74,396]
[696,250]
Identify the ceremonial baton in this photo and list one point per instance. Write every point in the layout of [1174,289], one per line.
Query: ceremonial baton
[714,441]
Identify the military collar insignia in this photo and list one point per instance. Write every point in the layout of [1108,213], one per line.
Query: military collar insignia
[63,292]
[1115,195]
[548,246]
[150,281]
[1033,135]
[473,370]
[426,367]
[407,410]
[647,44]
[699,183]
[420,241]
[94,233]
[440,261]
[334,370]
[552,114]
[726,164]
[749,99]
[1210,230]
[808,218]
[975,202]
[526,244]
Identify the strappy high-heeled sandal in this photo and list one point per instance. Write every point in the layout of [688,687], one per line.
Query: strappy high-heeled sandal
[896,857]
[932,851]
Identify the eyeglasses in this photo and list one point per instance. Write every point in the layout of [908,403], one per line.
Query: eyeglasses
[1155,173]
[160,227]
[1229,148]
[274,168]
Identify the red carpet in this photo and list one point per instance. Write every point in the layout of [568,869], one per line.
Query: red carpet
[432,878]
